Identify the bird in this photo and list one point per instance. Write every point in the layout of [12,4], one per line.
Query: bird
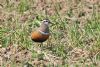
[41,34]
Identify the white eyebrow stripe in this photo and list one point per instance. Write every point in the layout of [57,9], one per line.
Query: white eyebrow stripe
[43,32]
[45,20]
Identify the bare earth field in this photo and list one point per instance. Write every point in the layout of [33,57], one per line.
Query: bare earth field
[74,39]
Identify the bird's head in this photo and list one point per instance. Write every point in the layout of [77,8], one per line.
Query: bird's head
[46,21]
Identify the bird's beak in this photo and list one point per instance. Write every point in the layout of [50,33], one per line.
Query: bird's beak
[49,21]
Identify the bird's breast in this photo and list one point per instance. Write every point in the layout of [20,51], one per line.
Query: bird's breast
[39,37]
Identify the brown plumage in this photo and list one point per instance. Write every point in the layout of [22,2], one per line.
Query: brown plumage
[42,33]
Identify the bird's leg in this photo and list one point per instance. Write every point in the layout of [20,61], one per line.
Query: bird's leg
[49,44]
[41,45]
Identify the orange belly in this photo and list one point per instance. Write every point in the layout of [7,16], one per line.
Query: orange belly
[38,37]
